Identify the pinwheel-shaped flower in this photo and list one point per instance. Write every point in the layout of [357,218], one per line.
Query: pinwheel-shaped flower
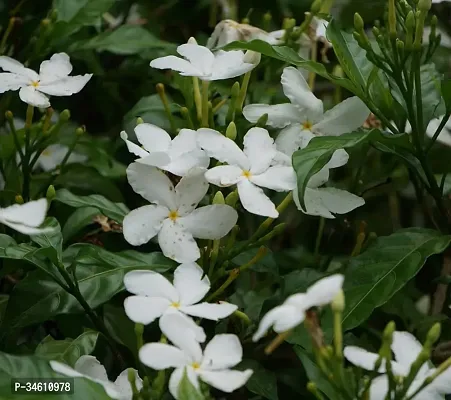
[177,156]
[53,79]
[249,169]
[54,155]
[25,218]
[173,215]
[212,366]
[406,349]
[90,368]
[304,118]
[292,312]
[156,296]
[200,62]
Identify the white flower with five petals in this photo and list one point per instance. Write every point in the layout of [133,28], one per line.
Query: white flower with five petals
[155,296]
[292,312]
[304,118]
[212,366]
[249,169]
[406,349]
[177,156]
[53,79]
[200,62]
[173,215]
[26,218]
[90,368]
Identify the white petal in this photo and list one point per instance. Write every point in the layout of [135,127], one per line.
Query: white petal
[442,383]
[230,64]
[184,142]
[155,159]
[279,178]
[29,95]
[189,325]
[259,148]
[324,291]
[64,369]
[183,164]
[224,175]
[223,351]
[340,201]
[255,200]
[143,224]
[191,283]
[339,158]
[9,81]
[305,136]
[226,380]
[123,386]
[191,190]
[176,377]
[283,317]
[145,310]
[176,243]
[379,388]
[210,222]
[57,67]
[279,115]
[152,184]
[176,64]
[406,348]
[14,66]
[313,203]
[90,366]
[282,159]
[345,117]
[162,356]
[319,179]
[221,148]
[210,311]
[152,137]
[174,326]
[66,86]
[362,358]
[199,56]
[30,214]
[288,140]
[298,91]
[26,230]
[150,283]
[132,147]
[444,137]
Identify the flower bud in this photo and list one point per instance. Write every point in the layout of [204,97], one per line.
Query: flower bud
[388,331]
[231,131]
[359,25]
[232,198]
[316,7]
[288,23]
[45,23]
[400,45]
[139,121]
[219,198]
[80,131]
[376,31]
[392,18]
[424,5]
[433,334]
[51,193]
[19,199]
[9,115]
[64,116]
[338,303]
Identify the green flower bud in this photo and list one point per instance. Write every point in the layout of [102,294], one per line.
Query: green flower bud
[64,116]
[219,198]
[9,115]
[245,21]
[338,303]
[139,121]
[79,131]
[392,18]
[376,31]
[267,17]
[51,193]
[424,5]
[19,199]
[389,330]
[434,334]
[359,25]
[232,198]
[316,7]
[400,45]
[231,131]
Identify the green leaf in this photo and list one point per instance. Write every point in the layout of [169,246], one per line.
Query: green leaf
[3,303]
[262,382]
[120,326]
[79,219]
[431,93]
[187,391]
[115,211]
[51,240]
[446,93]
[373,277]
[125,40]
[316,155]
[290,56]
[100,276]
[12,366]
[68,350]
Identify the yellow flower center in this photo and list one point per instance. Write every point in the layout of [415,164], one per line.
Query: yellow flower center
[307,125]
[35,83]
[173,215]
[175,304]
[247,173]
[195,365]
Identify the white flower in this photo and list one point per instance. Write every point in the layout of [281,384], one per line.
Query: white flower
[445,135]
[199,61]
[304,118]
[173,215]
[156,296]
[53,79]
[228,31]
[406,349]
[292,312]
[177,156]
[249,169]
[54,154]
[326,201]
[90,368]
[25,218]
[212,365]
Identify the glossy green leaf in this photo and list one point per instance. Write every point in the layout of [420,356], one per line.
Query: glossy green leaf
[373,277]
[78,220]
[262,382]
[68,350]
[187,391]
[52,239]
[12,366]
[125,40]
[120,326]
[431,93]
[115,211]
[316,155]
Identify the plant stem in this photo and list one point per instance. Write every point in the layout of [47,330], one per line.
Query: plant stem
[437,132]
[319,235]
[205,85]
[26,169]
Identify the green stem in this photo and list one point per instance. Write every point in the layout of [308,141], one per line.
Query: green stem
[319,235]
[205,85]
[438,131]
[26,169]
[6,35]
